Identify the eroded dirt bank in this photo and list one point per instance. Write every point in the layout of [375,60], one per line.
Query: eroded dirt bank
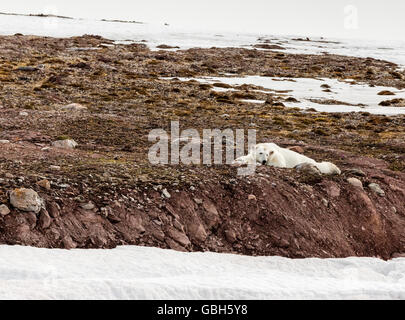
[274,212]
[105,193]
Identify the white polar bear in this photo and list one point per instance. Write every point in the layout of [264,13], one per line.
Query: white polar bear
[273,155]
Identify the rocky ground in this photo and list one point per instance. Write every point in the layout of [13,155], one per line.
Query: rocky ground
[104,192]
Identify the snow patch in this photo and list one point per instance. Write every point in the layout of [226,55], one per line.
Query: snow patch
[309,93]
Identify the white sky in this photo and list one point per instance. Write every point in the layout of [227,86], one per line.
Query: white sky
[375,19]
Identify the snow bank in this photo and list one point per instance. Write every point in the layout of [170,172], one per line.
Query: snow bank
[132,272]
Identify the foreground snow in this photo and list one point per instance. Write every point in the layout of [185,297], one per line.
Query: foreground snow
[132,272]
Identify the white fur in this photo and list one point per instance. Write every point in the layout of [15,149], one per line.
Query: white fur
[273,155]
[248,159]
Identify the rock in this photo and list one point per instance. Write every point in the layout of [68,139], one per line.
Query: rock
[211,216]
[198,201]
[269,100]
[269,46]
[88,206]
[53,209]
[166,193]
[355,172]
[309,174]
[113,218]
[165,46]
[27,68]
[44,219]
[386,93]
[4,210]
[26,200]
[377,189]
[68,242]
[65,144]
[31,218]
[307,168]
[179,237]
[283,243]
[73,107]
[332,189]
[105,211]
[44,184]
[178,225]
[393,103]
[355,182]
[230,236]
[4,141]
[199,233]
[175,245]
[158,234]
[252,197]
[23,113]
[325,202]
[56,168]
[297,149]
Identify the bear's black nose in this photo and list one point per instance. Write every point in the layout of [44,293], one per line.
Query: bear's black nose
[264,162]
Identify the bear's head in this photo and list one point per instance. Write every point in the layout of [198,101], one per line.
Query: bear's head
[263,154]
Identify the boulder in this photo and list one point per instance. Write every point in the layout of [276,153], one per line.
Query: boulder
[26,200]
[377,189]
[355,182]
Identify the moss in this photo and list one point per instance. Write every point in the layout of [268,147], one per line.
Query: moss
[182,113]
[397,166]
[63,137]
[320,131]
[243,95]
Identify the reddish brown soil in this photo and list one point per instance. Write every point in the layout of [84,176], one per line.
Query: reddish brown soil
[275,212]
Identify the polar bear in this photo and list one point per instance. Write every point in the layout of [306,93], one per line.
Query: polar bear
[276,156]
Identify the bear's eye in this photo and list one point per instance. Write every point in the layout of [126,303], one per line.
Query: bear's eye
[260,153]
[271,152]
